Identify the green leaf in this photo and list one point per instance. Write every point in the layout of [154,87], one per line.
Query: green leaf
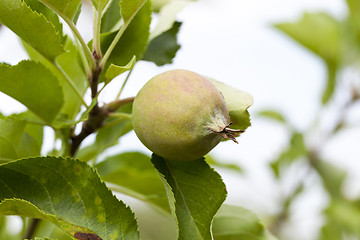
[232,222]
[169,5]
[2,225]
[354,6]
[30,145]
[77,14]
[66,8]
[25,81]
[115,127]
[48,229]
[167,17]
[331,231]
[318,32]
[321,34]
[108,135]
[162,49]
[129,8]
[20,138]
[237,102]
[330,83]
[216,163]
[273,115]
[134,40]
[66,192]
[354,9]
[11,129]
[292,152]
[198,192]
[32,137]
[331,176]
[138,178]
[4,231]
[49,14]
[85,115]
[113,71]
[32,27]
[99,5]
[71,64]
[345,215]
[7,150]
[25,208]
[111,18]
[158,4]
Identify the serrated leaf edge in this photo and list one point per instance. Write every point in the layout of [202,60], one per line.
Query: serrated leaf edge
[93,170]
[19,64]
[40,15]
[173,205]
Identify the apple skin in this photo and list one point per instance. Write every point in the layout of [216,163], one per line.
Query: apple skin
[180,115]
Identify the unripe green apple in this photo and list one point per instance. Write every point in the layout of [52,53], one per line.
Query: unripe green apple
[181,115]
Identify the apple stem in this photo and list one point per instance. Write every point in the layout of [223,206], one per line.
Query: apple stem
[229,133]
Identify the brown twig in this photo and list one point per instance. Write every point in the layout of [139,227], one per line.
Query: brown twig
[32,228]
[97,115]
[96,118]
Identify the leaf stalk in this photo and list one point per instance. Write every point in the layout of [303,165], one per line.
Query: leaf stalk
[77,34]
[70,82]
[113,44]
[82,42]
[96,36]
[124,83]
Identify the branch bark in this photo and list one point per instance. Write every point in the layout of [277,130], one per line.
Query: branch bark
[32,228]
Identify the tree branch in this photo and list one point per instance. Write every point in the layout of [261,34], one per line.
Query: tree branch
[31,229]
[96,119]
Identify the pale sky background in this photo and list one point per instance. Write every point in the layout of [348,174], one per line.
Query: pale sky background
[233,41]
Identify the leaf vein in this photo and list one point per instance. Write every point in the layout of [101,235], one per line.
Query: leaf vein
[6,185]
[181,195]
[71,185]
[45,189]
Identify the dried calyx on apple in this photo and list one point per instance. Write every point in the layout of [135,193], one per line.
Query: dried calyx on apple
[181,115]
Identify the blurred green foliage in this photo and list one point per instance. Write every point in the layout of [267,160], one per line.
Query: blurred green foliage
[337,43]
